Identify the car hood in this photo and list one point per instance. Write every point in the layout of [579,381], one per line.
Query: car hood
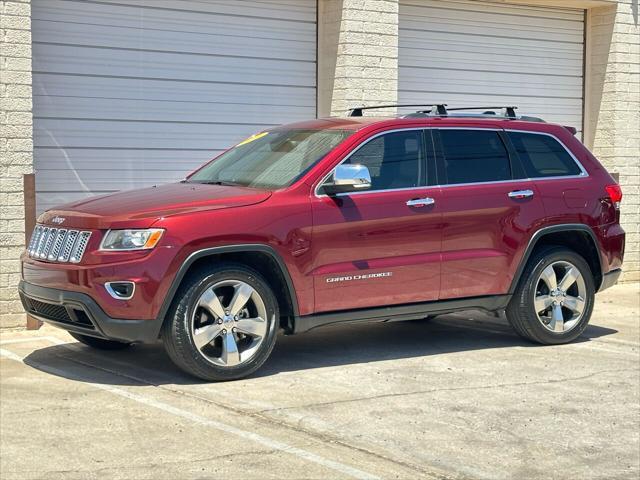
[141,208]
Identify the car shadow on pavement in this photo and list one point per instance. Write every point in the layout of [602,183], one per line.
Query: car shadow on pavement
[325,347]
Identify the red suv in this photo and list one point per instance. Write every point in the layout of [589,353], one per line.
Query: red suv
[337,220]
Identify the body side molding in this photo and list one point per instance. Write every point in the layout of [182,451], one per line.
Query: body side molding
[413,311]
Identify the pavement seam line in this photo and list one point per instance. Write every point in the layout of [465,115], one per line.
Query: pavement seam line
[452,389]
[185,414]
[257,415]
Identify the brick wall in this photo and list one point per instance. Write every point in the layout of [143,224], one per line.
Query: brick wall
[358,54]
[16,149]
[612,104]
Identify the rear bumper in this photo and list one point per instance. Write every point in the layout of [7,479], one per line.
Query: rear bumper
[609,279]
[78,312]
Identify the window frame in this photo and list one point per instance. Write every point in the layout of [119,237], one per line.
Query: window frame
[425,178]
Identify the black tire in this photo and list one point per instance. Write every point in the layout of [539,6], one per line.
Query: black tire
[177,335]
[100,343]
[521,311]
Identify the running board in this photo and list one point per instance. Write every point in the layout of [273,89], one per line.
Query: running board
[412,311]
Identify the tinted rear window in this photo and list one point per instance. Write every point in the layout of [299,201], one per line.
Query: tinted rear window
[473,156]
[542,155]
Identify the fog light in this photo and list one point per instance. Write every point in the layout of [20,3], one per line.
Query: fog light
[120,290]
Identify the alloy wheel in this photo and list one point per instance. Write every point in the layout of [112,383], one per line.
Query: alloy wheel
[229,323]
[560,297]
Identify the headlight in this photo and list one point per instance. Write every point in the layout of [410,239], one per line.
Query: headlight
[131,239]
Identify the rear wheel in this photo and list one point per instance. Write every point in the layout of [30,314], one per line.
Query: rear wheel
[223,325]
[100,343]
[554,300]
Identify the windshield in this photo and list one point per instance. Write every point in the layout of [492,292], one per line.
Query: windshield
[272,159]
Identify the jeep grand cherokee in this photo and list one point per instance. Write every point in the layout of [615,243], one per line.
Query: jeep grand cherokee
[337,220]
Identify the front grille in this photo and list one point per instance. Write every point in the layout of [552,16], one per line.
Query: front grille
[59,313]
[50,310]
[58,244]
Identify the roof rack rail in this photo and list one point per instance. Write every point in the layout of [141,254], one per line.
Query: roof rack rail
[436,108]
[440,110]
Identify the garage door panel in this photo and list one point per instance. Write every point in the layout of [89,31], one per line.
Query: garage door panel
[75,173]
[292,10]
[93,181]
[501,63]
[461,7]
[51,85]
[158,110]
[432,49]
[171,66]
[492,83]
[62,133]
[463,42]
[487,53]
[188,15]
[96,160]
[129,93]
[181,42]
[496,26]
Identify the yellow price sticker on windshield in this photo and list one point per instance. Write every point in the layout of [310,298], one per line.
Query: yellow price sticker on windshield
[252,138]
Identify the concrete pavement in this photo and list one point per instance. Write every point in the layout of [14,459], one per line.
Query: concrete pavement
[458,397]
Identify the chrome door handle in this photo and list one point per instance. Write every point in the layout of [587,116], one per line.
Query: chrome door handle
[420,202]
[521,194]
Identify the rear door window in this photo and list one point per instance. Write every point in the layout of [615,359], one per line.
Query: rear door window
[473,156]
[543,155]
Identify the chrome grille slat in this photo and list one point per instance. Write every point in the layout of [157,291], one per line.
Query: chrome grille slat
[78,249]
[53,232]
[58,244]
[42,242]
[68,246]
[37,232]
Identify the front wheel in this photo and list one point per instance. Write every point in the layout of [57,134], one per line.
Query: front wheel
[224,323]
[554,300]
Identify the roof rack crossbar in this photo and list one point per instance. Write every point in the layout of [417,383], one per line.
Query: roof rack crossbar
[436,108]
[509,111]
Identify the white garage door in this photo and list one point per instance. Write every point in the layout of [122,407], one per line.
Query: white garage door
[481,53]
[131,93]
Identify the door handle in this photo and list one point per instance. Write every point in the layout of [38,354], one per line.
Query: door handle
[420,202]
[517,194]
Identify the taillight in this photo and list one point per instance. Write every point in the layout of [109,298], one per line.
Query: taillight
[615,194]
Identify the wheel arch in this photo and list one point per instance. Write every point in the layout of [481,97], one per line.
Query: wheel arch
[584,242]
[260,257]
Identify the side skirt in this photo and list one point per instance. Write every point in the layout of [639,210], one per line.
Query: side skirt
[413,311]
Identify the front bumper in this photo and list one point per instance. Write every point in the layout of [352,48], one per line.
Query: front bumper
[78,312]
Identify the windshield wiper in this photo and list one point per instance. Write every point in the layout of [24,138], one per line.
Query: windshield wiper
[219,182]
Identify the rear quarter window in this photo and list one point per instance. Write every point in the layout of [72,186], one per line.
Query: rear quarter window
[543,156]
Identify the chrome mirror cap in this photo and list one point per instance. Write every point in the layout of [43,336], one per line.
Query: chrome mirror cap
[348,178]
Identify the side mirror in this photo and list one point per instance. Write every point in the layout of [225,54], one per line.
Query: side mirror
[348,178]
